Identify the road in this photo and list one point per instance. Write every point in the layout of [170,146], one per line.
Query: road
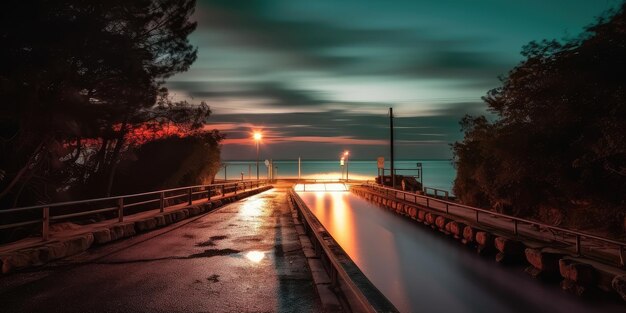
[244,257]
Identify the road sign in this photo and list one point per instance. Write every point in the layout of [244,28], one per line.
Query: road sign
[342,162]
[381,162]
[267,163]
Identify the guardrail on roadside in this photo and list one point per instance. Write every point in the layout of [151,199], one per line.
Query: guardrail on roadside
[125,201]
[436,192]
[324,182]
[576,237]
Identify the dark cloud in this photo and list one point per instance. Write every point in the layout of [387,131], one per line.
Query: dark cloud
[439,126]
[422,53]
[275,93]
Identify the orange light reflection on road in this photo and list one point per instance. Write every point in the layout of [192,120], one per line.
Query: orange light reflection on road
[320,206]
[339,223]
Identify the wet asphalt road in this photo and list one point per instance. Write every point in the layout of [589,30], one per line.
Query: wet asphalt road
[245,257]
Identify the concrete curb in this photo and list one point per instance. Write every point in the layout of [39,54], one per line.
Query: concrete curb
[321,280]
[55,250]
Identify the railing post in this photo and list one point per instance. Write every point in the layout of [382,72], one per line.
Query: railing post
[162,201]
[208,198]
[476,216]
[45,227]
[622,262]
[447,208]
[120,209]
[515,227]
[428,203]
[578,248]
[236,186]
[190,194]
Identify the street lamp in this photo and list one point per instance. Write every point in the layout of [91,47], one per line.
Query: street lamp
[345,155]
[257,138]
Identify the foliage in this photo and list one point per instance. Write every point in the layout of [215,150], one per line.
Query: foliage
[78,81]
[170,162]
[559,141]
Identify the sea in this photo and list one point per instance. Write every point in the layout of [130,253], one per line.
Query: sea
[438,174]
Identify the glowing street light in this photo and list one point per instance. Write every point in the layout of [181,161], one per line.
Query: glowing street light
[257,138]
[345,155]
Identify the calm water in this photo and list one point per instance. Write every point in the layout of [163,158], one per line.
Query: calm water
[436,173]
[422,271]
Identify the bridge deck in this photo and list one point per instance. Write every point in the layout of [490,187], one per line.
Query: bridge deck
[244,257]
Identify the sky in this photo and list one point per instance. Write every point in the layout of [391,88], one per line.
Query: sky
[317,76]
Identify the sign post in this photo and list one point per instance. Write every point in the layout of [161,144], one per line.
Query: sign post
[380,162]
[420,173]
[342,162]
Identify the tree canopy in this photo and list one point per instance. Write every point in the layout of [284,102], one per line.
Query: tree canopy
[557,148]
[81,84]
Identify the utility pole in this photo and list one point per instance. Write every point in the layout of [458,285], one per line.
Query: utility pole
[393,172]
[257,160]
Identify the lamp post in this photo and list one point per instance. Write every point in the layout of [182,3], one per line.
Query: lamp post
[257,138]
[345,155]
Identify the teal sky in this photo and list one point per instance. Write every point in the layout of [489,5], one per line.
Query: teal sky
[319,76]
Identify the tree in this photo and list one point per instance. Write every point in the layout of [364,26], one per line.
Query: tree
[170,162]
[557,150]
[77,78]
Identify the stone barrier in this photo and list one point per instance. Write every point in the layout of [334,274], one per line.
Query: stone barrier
[510,251]
[543,264]
[50,251]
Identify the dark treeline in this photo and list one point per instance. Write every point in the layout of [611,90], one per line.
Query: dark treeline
[82,100]
[557,150]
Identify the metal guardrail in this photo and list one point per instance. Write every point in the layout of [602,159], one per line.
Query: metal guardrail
[322,181]
[335,269]
[515,222]
[122,202]
[436,192]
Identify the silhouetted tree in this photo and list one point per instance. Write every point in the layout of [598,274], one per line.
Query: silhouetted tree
[170,162]
[557,150]
[77,80]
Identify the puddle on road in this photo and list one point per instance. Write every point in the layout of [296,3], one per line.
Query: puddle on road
[213,252]
[252,208]
[208,243]
[213,278]
[211,241]
[255,256]
[245,239]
